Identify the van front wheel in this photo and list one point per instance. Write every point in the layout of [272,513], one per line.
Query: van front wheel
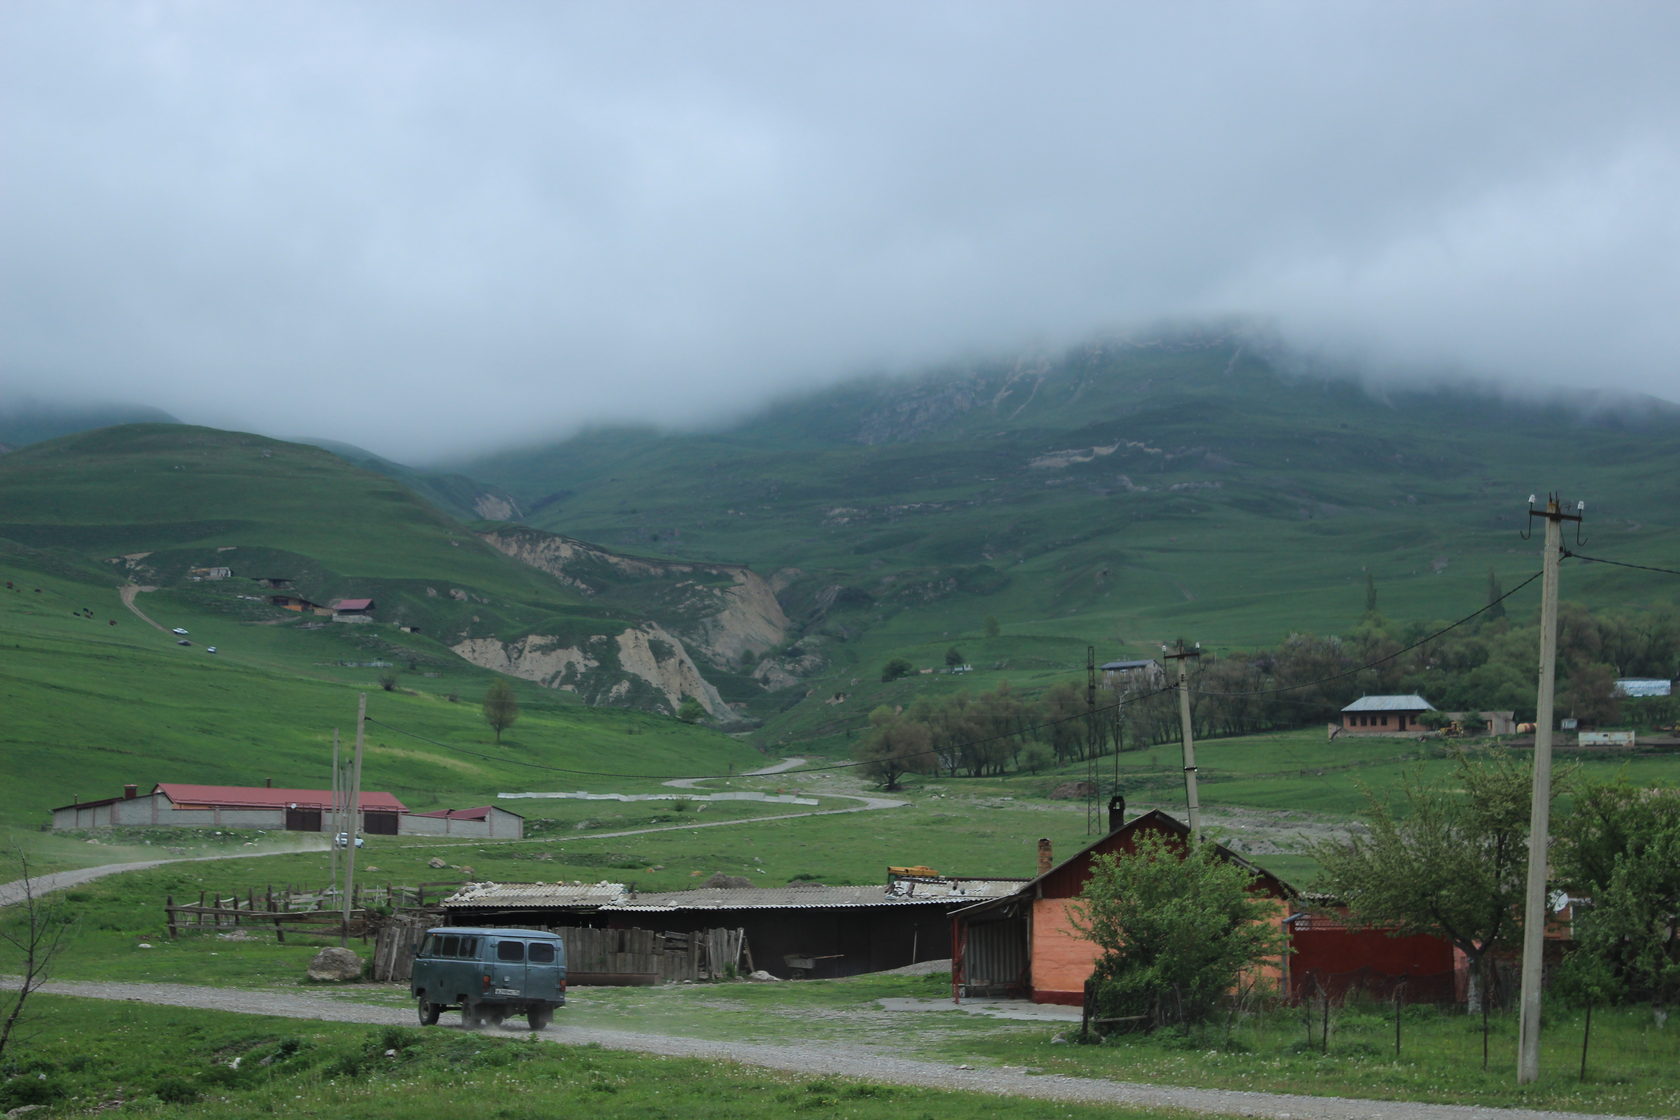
[539,1017]
[428,1012]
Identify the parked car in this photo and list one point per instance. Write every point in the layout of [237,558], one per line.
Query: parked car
[183,642]
[209,649]
[489,974]
[179,630]
[343,840]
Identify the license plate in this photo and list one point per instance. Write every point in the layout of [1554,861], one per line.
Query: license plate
[507,991]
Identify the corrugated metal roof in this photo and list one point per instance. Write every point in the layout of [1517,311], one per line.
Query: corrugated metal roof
[1412,703]
[265,798]
[1644,686]
[352,604]
[535,895]
[616,898]
[478,814]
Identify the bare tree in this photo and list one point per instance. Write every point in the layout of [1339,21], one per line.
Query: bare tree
[32,944]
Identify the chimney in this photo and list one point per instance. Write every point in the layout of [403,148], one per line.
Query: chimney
[130,792]
[1116,812]
[1045,860]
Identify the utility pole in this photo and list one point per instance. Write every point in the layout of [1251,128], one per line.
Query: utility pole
[1540,799]
[353,831]
[332,814]
[1091,779]
[1181,656]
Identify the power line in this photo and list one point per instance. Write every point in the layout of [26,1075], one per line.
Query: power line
[1451,626]
[1621,563]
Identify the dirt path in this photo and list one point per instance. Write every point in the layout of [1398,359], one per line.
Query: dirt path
[128,592]
[13,892]
[829,1059]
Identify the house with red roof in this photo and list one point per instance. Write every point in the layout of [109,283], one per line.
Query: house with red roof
[353,610]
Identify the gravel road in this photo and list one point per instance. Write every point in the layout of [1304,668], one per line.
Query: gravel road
[830,1059]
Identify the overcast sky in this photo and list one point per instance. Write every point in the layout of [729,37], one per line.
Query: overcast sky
[426,227]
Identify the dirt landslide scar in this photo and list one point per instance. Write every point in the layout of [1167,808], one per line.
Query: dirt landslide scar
[489,974]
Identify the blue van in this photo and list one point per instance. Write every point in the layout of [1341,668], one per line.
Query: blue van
[489,974]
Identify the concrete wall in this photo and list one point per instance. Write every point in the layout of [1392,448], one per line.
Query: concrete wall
[501,825]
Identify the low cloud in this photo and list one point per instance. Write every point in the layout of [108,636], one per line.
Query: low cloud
[430,227]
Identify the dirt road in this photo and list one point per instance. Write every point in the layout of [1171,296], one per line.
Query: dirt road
[827,1059]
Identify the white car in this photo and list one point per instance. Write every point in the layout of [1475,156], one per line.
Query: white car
[209,649]
[343,840]
[179,630]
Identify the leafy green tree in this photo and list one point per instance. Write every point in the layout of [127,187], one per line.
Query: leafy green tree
[501,707]
[1618,856]
[691,710]
[1496,609]
[1452,861]
[953,657]
[896,746]
[1177,926]
[896,668]
[992,627]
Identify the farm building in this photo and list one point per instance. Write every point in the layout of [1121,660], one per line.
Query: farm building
[179,805]
[486,821]
[1385,715]
[1130,674]
[353,610]
[1024,943]
[800,930]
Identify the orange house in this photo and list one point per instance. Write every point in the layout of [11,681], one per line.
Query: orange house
[1026,945]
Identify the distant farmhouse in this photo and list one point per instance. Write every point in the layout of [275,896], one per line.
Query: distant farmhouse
[1385,715]
[181,805]
[353,610]
[1131,674]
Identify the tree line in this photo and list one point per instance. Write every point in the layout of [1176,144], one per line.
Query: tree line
[1487,665]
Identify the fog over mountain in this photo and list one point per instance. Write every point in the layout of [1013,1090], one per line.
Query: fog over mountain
[431,227]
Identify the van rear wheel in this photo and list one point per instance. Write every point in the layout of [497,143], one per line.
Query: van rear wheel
[469,1018]
[539,1017]
[428,1012]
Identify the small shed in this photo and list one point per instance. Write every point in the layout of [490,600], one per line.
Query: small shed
[353,610]
[1385,715]
[486,821]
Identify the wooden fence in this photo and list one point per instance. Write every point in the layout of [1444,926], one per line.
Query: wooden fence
[306,913]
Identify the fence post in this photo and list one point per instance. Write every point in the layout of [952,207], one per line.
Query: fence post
[169,913]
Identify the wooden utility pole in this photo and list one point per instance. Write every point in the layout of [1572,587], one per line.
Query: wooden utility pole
[1540,799]
[353,830]
[332,813]
[1182,656]
[1091,794]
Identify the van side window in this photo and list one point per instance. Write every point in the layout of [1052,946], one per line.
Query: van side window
[448,945]
[541,952]
[510,950]
[469,947]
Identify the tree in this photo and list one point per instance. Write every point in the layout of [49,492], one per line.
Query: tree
[32,941]
[992,627]
[896,746]
[691,710]
[501,707]
[953,657]
[1452,863]
[896,668]
[1177,926]
[1618,856]
[1495,593]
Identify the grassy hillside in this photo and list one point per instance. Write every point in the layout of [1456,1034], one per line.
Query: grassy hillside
[1117,498]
